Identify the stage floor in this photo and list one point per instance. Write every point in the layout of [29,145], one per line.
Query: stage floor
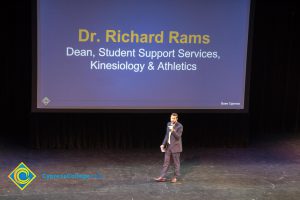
[265,170]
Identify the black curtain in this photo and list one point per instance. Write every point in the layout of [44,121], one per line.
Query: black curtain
[274,95]
[275,84]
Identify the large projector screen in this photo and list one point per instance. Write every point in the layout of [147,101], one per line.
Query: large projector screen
[141,55]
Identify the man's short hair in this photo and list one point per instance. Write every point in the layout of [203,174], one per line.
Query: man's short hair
[174,114]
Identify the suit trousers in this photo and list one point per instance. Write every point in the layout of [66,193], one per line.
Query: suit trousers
[176,161]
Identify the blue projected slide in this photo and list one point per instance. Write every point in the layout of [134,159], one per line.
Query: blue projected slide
[133,54]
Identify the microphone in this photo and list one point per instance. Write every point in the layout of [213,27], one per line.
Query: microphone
[171,126]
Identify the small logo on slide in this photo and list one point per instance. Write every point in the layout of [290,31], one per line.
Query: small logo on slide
[46,101]
[21,176]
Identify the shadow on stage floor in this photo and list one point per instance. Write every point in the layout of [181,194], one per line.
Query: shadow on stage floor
[264,170]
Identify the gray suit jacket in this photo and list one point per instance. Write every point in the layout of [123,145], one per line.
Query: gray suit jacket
[175,139]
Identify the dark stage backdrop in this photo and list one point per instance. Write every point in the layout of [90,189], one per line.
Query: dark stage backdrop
[274,95]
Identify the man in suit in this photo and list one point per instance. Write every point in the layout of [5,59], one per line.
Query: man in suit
[172,146]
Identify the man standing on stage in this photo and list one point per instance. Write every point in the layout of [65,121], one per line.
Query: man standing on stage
[172,146]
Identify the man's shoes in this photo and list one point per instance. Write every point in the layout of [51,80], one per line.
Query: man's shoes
[160,179]
[173,180]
